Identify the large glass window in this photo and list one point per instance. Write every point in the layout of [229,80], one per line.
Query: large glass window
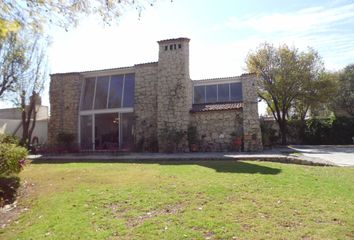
[87,98]
[101,92]
[223,92]
[116,91]
[86,132]
[127,126]
[199,94]
[211,93]
[226,92]
[129,85]
[106,131]
[236,91]
[107,92]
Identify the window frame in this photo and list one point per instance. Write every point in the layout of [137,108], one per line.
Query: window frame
[217,84]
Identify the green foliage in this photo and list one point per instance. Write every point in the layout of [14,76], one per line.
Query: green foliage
[11,139]
[284,75]
[329,131]
[172,138]
[65,13]
[269,134]
[344,100]
[192,135]
[11,158]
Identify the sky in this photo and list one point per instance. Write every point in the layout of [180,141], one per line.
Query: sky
[222,33]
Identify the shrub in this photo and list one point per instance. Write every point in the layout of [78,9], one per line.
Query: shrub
[5,138]
[11,158]
[329,131]
[269,134]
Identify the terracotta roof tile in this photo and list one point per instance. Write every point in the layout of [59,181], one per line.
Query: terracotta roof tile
[216,107]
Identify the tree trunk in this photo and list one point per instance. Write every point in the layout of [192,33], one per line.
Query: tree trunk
[283,131]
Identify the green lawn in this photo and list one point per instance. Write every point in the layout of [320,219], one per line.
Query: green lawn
[199,200]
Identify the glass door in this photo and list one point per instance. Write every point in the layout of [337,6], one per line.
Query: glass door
[106,131]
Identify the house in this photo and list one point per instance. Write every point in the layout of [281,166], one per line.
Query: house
[135,107]
[11,123]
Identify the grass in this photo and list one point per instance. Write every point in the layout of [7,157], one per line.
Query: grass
[195,200]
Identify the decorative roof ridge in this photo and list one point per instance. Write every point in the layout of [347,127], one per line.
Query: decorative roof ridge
[147,63]
[174,39]
[230,77]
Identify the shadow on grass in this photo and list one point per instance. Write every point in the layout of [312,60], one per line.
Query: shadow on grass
[225,166]
[8,189]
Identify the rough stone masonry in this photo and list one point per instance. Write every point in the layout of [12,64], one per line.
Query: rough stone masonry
[163,101]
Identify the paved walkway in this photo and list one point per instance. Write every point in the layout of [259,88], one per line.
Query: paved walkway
[308,155]
[339,155]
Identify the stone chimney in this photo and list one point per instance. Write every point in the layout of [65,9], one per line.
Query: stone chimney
[174,89]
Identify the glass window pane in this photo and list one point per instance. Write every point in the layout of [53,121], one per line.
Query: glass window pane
[87,97]
[127,126]
[101,92]
[129,86]
[199,94]
[86,132]
[211,93]
[106,131]
[115,92]
[236,91]
[223,92]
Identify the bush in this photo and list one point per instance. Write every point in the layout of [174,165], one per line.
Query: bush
[12,158]
[329,131]
[5,138]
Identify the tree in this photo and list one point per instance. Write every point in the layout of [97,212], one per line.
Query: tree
[35,14]
[284,75]
[12,57]
[31,76]
[344,99]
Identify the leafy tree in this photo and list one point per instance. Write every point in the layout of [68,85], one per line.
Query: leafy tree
[344,99]
[35,14]
[30,75]
[285,77]
[12,57]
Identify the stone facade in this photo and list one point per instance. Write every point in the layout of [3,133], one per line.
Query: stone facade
[64,96]
[174,87]
[252,136]
[215,128]
[145,107]
[163,103]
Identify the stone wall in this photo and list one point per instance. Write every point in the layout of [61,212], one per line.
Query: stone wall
[145,107]
[215,128]
[64,96]
[252,136]
[173,90]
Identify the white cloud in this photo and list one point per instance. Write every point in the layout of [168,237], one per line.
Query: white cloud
[302,20]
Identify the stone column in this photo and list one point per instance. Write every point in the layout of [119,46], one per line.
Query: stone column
[64,96]
[145,106]
[174,90]
[252,136]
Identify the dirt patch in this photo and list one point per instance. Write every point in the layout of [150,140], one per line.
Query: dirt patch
[11,211]
[120,212]
[8,190]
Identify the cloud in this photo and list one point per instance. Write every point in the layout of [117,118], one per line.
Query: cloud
[327,29]
[302,20]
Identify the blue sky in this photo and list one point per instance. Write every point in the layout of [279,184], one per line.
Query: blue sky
[221,33]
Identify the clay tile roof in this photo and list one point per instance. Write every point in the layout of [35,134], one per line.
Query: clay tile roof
[215,107]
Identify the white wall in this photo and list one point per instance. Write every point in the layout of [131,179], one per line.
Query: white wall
[9,126]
